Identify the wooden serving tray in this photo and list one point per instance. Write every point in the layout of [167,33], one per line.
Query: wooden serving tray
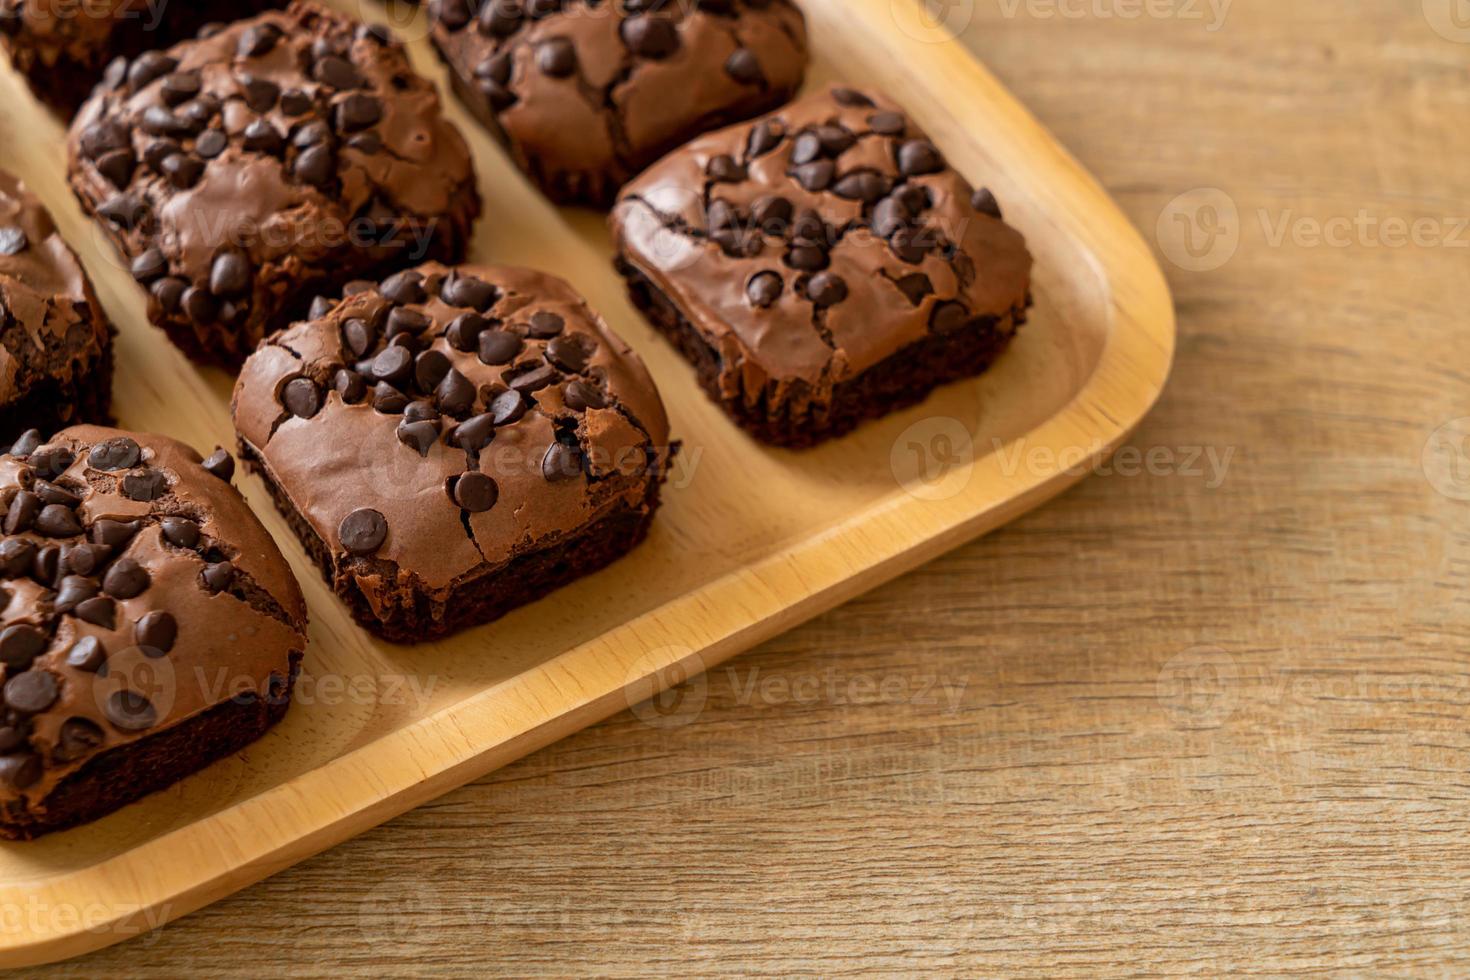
[750,542]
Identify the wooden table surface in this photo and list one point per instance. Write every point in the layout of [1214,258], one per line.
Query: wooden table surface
[1205,712]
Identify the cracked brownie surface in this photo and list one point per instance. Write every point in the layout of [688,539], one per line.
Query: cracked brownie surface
[246,172]
[140,603]
[822,265]
[452,442]
[55,339]
[62,46]
[586,93]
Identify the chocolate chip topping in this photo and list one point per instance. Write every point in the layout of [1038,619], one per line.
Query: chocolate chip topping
[484,371]
[846,230]
[589,93]
[315,132]
[92,597]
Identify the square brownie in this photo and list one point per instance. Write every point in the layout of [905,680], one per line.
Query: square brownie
[246,172]
[148,623]
[821,266]
[452,443]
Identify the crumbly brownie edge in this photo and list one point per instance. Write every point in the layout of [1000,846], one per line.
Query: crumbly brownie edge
[113,780]
[481,597]
[903,379]
[88,395]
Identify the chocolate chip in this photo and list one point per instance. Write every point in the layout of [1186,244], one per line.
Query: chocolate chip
[78,739]
[744,67]
[771,214]
[500,18]
[948,317]
[918,157]
[984,202]
[864,185]
[51,462]
[16,555]
[31,693]
[28,443]
[149,266]
[394,365]
[170,293]
[101,611]
[156,633]
[474,434]
[561,462]
[455,395]
[46,569]
[851,97]
[405,288]
[359,336]
[85,559]
[295,102]
[568,353]
[13,240]
[808,147]
[24,510]
[476,492]
[124,210]
[724,169]
[200,304]
[889,215]
[118,453]
[75,590]
[336,72]
[453,14]
[556,57]
[888,123]
[50,493]
[182,170]
[579,396]
[316,165]
[180,87]
[126,579]
[650,37]
[464,332]
[363,532]
[229,275]
[764,289]
[815,176]
[507,407]
[105,136]
[911,245]
[419,436]
[262,137]
[117,166]
[19,645]
[429,368]
[826,289]
[180,533]
[534,379]
[129,711]
[302,398]
[915,287]
[764,137]
[261,94]
[807,258]
[388,400]
[145,486]
[115,534]
[470,291]
[56,520]
[358,111]
[257,40]
[405,321]
[498,346]
[11,738]
[21,771]
[149,66]
[545,325]
[87,654]
[350,386]
[218,576]
[220,464]
[835,139]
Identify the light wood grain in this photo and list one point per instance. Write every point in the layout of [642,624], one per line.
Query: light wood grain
[755,543]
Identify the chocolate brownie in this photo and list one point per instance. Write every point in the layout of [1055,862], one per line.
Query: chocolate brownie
[586,94]
[62,46]
[55,341]
[246,172]
[452,443]
[148,624]
[821,266]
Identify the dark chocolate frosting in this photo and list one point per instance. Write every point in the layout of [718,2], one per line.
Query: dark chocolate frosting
[240,172]
[449,419]
[137,590]
[586,94]
[817,241]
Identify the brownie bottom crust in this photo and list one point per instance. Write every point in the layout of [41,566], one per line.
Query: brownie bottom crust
[114,779]
[413,616]
[905,378]
[54,404]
